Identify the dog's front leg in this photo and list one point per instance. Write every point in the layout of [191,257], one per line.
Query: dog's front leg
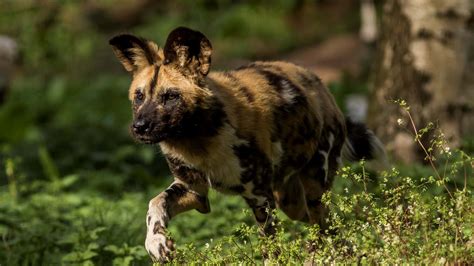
[178,197]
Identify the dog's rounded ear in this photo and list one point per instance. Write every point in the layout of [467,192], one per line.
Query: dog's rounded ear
[189,50]
[134,52]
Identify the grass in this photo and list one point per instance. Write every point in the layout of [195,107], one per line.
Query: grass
[393,219]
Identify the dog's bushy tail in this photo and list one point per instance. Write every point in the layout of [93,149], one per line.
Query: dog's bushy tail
[361,143]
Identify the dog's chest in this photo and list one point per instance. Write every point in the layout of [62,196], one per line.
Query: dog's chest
[223,173]
[220,164]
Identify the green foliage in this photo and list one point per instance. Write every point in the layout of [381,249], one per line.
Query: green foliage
[394,218]
[49,224]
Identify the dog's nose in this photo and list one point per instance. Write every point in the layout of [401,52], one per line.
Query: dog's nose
[141,126]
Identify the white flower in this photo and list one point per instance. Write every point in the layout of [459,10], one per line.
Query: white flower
[400,122]
[447,150]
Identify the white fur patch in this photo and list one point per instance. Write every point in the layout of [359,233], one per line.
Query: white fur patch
[287,93]
[325,165]
[325,155]
[155,242]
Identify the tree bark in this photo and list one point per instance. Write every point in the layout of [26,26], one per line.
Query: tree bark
[8,58]
[425,57]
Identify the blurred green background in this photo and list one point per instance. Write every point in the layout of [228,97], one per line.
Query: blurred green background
[74,187]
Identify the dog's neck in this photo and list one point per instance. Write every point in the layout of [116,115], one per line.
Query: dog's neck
[203,153]
[191,151]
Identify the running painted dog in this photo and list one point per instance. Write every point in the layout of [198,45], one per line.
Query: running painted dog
[269,131]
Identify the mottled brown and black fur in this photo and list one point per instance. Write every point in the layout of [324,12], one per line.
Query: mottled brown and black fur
[269,131]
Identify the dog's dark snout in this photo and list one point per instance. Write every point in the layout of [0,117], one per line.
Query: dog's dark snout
[141,126]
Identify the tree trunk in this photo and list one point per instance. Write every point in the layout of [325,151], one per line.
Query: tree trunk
[8,58]
[425,57]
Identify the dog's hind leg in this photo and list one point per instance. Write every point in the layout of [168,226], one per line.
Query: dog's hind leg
[290,198]
[263,205]
[317,177]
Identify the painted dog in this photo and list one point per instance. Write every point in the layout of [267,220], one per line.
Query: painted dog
[268,131]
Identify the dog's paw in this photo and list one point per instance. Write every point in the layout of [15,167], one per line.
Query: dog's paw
[159,247]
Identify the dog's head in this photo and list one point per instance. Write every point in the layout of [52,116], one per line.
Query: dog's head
[169,94]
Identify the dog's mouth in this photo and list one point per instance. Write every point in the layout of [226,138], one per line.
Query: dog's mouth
[146,140]
[149,138]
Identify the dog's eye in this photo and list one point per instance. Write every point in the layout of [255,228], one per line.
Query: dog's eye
[139,97]
[170,96]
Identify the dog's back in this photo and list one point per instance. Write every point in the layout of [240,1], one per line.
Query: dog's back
[290,117]
[282,107]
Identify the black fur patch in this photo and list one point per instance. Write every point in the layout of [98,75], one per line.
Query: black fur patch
[154,79]
[239,189]
[261,65]
[242,89]
[295,161]
[176,121]
[158,229]
[251,65]
[359,137]
[245,91]
[305,132]
[285,200]
[184,172]
[125,42]
[284,85]
[203,122]
[313,202]
[450,13]
[324,144]
[147,115]
[176,190]
[230,76]
[256,166]
[262,213]
[425,34]
[315,169]
[183,36]
[309,80]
